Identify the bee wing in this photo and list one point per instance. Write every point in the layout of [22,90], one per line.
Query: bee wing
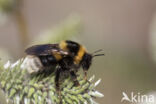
[45,49]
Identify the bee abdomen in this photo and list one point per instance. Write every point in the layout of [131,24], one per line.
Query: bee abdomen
[33,64]
[48,60]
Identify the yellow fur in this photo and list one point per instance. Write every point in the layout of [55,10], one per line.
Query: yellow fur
[57,55]
[63,45]
[80,54]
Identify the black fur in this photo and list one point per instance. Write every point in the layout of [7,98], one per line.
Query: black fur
[73,47]
[86,61]
[48,60]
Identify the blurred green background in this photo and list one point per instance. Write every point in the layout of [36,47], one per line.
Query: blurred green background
[124,29]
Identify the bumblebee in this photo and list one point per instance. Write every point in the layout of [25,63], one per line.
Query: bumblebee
[66,56]
[80,56]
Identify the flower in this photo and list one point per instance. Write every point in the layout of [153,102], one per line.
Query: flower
[20,87]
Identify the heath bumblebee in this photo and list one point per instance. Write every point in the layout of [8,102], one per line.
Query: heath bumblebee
[66,56]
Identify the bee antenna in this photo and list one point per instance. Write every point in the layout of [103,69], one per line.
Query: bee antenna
[98,55]
[98,51]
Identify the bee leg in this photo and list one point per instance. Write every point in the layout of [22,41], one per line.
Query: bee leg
[57,79]
[85,75]
[74,77]
[57,84]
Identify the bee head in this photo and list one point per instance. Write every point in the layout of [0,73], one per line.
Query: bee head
[87,59]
